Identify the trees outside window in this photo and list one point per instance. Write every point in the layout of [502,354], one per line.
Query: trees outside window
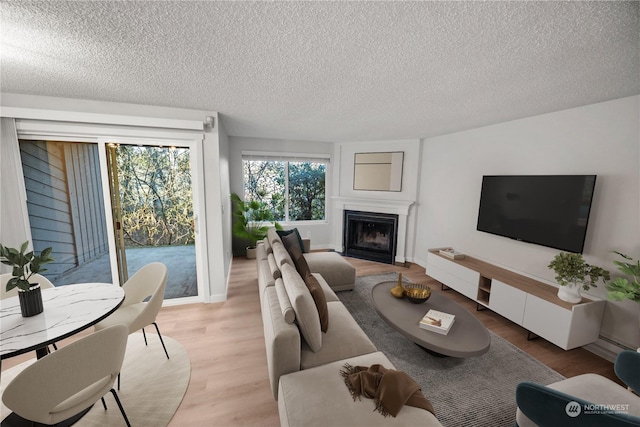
[155,195]
[294,190]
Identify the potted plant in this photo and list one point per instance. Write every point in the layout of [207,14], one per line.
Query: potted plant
[251,221]
[573,273]
[622,288]
[24,266]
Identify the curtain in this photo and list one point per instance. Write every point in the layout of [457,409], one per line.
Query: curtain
[14,218]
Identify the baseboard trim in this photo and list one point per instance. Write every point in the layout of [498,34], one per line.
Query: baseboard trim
[606,348]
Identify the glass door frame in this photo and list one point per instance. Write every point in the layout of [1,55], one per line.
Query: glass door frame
[197,185]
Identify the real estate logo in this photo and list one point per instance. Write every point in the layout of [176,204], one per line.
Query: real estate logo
[573,409]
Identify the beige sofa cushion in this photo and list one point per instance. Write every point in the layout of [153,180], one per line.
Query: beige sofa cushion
[265,278]
[302,302]
[281,255]
[281,340]
[273,266]
[285,304]
[337,271]
[273,237]
[344,339]
[318,397]
[267,245]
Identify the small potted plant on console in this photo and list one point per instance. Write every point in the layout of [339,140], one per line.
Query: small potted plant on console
[24,266]
[573,273]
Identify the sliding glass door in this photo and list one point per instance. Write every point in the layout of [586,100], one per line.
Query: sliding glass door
[152,212]
[66,209]
[109,207]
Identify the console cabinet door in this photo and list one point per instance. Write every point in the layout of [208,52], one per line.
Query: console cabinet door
[507,301]
[455,276]
[548,320]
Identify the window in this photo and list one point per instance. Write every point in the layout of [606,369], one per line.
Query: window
[294,187]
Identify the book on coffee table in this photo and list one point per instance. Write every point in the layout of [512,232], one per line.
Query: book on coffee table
[437,321]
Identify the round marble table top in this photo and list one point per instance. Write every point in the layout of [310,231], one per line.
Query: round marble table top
[67,310]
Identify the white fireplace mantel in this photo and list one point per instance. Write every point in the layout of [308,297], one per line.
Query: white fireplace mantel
[397,207]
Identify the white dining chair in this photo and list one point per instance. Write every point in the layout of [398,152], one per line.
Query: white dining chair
[136,311]
[70,380]
[36,278]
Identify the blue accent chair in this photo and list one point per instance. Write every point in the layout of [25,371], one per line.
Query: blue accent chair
[588,400]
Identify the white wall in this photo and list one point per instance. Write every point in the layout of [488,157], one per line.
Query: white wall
[411,165]
[601,139]
[410,180]
[318,232]
[216,183]
[225,191]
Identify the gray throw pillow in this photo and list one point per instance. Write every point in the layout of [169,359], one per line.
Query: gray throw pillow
[291,238]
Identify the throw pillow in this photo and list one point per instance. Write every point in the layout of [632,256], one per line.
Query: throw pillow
[319,299]
[299,261]
[291,238]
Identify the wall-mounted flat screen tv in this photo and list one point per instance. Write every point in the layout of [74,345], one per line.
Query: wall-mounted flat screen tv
[548,210]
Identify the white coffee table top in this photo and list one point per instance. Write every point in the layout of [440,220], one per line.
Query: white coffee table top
[67,310]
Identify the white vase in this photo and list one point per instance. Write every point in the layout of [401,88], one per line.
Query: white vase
[570,293]
[251,252]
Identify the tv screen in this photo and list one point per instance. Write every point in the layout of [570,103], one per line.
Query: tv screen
[548,210]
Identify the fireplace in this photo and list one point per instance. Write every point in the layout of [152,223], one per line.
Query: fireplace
[370,235]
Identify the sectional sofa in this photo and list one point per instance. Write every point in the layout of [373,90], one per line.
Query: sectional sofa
[304,363]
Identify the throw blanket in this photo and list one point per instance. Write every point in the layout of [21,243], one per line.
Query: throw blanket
[390,389]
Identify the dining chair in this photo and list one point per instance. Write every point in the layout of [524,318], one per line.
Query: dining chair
[69,381]
[560,404]
[36,278]
[144,293]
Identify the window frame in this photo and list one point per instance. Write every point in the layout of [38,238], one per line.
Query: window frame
[287,157]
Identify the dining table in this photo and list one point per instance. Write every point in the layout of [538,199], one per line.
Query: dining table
[68,310]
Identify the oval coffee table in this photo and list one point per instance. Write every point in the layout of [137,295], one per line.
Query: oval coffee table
[468,337]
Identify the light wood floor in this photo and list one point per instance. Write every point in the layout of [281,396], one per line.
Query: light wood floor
[229,384]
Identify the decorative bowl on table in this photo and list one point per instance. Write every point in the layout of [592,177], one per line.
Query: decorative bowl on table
[417,293]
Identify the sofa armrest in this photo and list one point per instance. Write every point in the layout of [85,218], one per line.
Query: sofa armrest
[306,243]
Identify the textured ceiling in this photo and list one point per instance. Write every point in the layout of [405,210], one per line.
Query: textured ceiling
[328,71]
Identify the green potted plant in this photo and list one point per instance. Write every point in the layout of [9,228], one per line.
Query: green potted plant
[251,221]
[623,288]
[24,266]
[573,273]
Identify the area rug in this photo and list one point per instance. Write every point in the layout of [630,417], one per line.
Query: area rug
[151,387]
[473,392]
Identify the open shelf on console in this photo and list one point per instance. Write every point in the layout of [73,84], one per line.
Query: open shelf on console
[484,290]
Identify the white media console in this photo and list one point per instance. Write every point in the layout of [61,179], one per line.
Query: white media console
[530,303]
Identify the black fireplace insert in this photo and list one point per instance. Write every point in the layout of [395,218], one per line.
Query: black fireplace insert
[370,235]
